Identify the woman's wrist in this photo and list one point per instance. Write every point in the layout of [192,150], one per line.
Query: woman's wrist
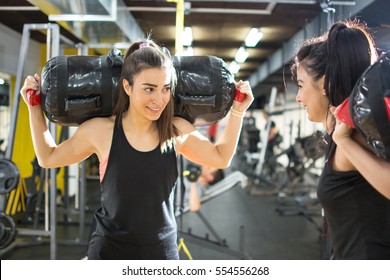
[36,112]
[236,113]
[37,109]
[342,140]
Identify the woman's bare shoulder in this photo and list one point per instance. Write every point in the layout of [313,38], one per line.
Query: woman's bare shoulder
[183,125]
[98,124]
[99,132]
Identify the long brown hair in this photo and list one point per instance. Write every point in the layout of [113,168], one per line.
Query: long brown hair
[146,55]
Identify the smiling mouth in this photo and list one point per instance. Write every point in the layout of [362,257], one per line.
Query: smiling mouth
[156,110]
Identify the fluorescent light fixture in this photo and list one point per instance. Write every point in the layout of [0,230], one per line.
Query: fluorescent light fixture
[234,67]
[326,6]
[253,37]
[70,17]
[118,45]
[241,55]
[187,36]
[122,45]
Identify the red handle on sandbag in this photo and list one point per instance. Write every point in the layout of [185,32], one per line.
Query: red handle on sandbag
[33,98]
[239,96]
[343,113]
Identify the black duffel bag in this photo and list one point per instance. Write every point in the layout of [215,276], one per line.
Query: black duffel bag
[77,88]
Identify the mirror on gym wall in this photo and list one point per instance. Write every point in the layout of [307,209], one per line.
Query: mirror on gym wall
[4,111]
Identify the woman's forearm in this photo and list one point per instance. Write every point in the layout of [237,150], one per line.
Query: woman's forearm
[227,142]
[42,139]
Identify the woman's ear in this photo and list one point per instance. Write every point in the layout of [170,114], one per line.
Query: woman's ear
[126,86]
[321,82]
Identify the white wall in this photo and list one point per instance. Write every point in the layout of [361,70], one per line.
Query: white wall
[9,53]
[10,42]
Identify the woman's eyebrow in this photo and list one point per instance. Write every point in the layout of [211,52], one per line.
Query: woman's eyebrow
[148,84]
[153,85]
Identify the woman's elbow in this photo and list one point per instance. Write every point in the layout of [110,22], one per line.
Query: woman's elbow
[44,163]
[223,164]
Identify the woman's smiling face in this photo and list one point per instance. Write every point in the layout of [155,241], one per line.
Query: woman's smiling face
[311,95]
[151,92]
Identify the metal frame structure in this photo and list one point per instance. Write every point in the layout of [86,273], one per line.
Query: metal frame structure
[53,45]
[47,177]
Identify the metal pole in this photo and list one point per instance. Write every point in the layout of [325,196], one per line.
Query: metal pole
[54,37]
[15,105]
[83,185]
[179,25]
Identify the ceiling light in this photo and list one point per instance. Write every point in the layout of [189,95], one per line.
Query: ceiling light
[187,36]
[327,6]
[241,55]
[187,8]
[121,45]
[234,67]
[253,37]
[189,51]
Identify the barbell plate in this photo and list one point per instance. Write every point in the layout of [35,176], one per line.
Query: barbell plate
[9,176]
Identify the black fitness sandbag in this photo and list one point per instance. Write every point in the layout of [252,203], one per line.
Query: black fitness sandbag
[77,88]
[369,106]
[205,89]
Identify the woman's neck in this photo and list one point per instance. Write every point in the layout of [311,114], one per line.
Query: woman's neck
[329,122]
[137,123]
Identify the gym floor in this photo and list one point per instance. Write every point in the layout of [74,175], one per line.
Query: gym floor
[233,225]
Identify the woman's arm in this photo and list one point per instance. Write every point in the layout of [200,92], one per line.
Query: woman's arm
[197,148]
[49,155]
[374,169]
[194,198]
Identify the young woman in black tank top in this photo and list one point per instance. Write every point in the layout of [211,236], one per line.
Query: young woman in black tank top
[354,187]
[137,148]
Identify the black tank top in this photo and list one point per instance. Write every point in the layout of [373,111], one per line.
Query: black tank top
[136,202]
[358,215]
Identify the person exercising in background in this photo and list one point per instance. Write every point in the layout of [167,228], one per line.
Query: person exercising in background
[210,175]
[137,149]
[200,177]
[274,138]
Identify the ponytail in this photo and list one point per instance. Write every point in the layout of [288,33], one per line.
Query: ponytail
[350,50]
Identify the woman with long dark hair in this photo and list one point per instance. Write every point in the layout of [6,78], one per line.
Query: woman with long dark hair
[137,149]
[352,189]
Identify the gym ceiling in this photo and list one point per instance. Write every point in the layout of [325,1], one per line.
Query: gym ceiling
[219,27]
